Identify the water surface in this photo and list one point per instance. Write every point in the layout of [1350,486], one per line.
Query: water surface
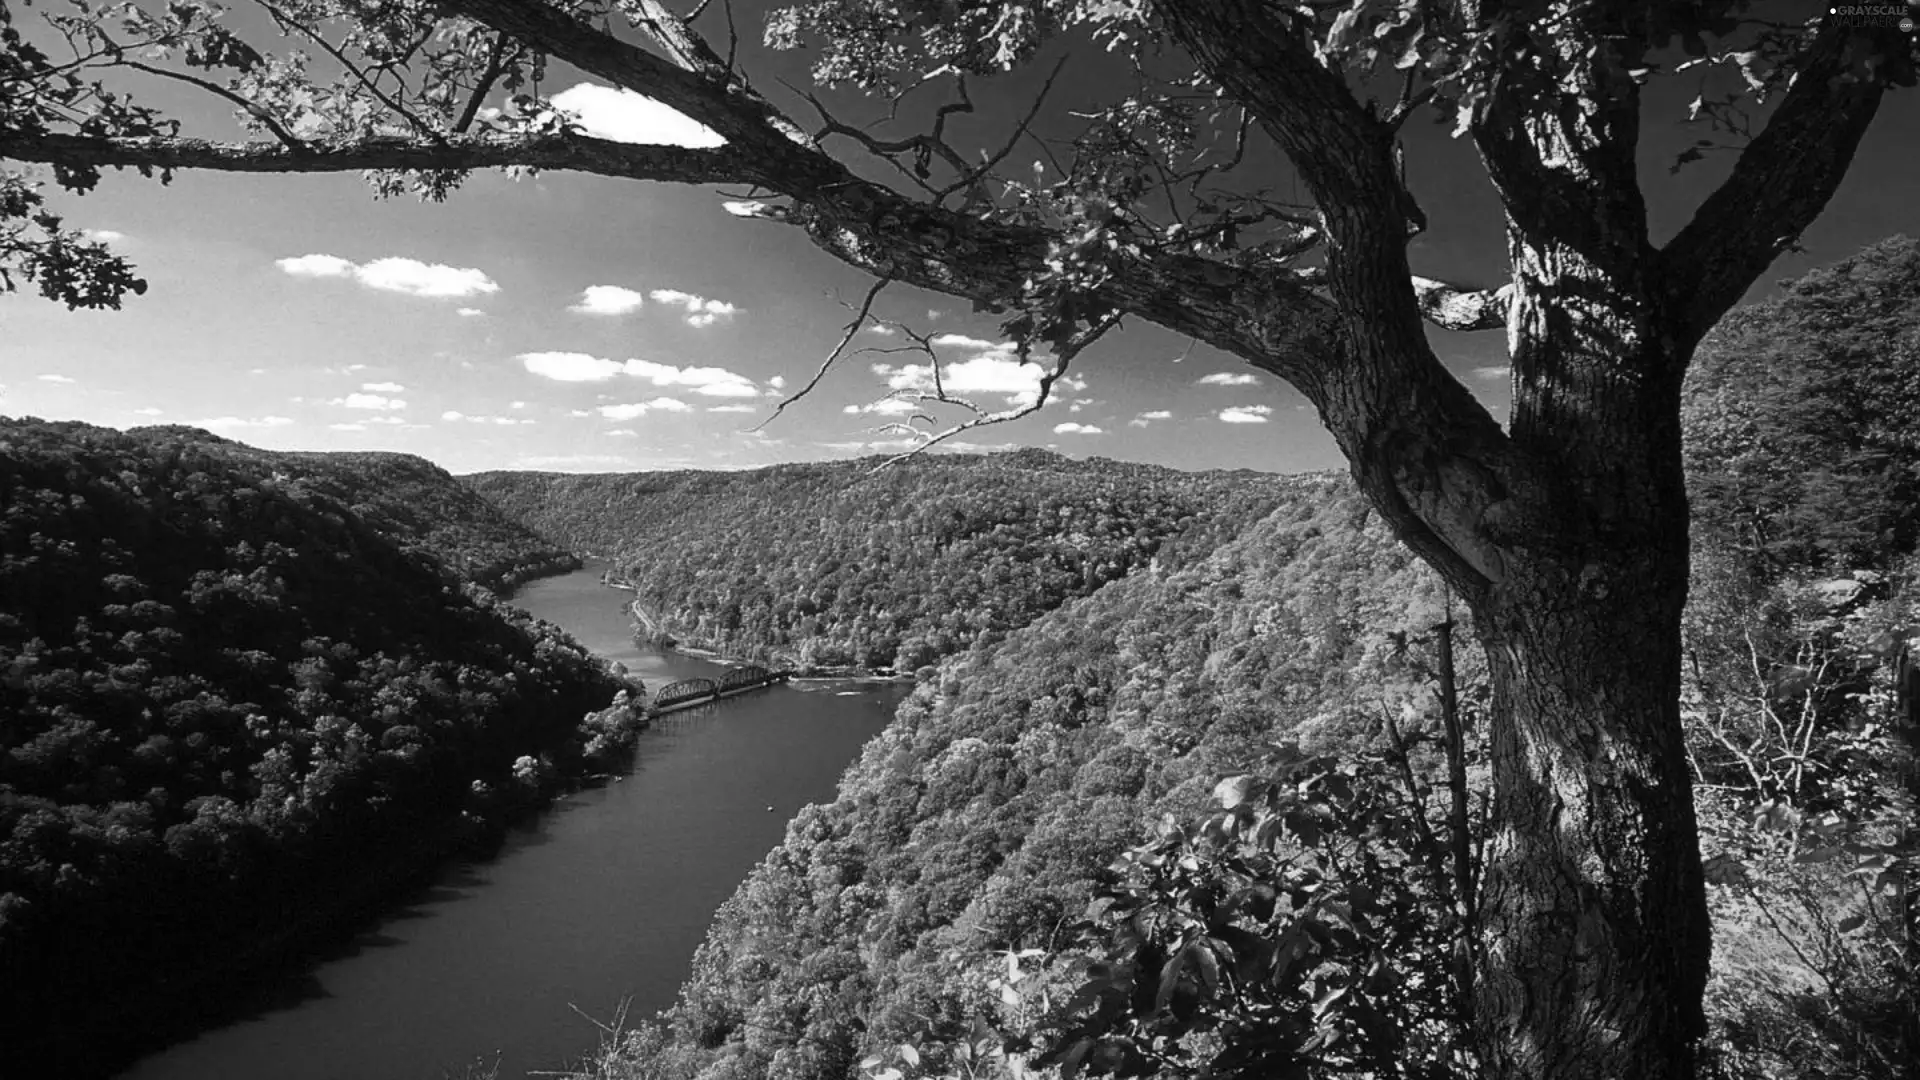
[602,899]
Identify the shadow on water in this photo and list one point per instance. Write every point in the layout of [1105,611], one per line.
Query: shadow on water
[602,898]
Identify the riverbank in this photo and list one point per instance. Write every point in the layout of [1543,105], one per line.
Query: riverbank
[602,898]
[219,934]
[647,632]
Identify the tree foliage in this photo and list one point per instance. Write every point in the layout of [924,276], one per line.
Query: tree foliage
[1803,418]
[827,566]
[222,686]
[981,821]
[1563,530]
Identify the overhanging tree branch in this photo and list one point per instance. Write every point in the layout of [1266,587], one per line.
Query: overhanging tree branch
[735,115]
[1782,181]
[577,153]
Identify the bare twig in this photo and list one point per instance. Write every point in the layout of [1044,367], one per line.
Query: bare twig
[969,178]
[353,69]
[253,109]
[496,63]
[859,320]
[1065,356]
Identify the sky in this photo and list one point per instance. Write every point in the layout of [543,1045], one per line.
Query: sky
[581,323]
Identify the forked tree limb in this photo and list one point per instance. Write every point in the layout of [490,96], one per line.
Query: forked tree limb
[1779,185]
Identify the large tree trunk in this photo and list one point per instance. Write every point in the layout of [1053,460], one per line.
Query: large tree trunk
[1594,925]
[1593,920]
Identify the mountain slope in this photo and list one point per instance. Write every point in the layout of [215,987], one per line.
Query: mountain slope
[977,822]
[410,500]
[839,565]
[230,704]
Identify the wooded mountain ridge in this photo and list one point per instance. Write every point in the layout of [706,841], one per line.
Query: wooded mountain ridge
[966,845]
[847,565]
[228,678]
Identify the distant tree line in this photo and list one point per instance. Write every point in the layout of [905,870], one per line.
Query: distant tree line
[837,566]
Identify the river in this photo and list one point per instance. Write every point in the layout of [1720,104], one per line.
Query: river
[603,898]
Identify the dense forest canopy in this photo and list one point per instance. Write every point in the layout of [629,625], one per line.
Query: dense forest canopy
[953,899]
[221,686]
[1800,419]
[1563,531]
[840,565]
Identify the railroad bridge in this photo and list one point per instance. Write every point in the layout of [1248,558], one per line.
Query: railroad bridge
[690,692]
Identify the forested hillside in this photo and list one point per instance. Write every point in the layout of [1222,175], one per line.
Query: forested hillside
[409,500]
[979,821]
[830,565]
[230,703]
[966,845]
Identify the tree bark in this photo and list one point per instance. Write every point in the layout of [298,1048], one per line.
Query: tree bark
[1593,917]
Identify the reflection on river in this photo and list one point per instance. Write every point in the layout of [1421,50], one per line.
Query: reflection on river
[604,898]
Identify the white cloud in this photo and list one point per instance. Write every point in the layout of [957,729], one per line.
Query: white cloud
[778,382]
[892,406]
[624,116]
[700,310]
[990,372]
[369,401]
[1245,414]
[962,341]
[347,427]
[383,387]
[1146,418]
[1228,378]
[731,408]
[879,329]
[1493,371]
[416,278]
[568,462]
[469,312]
[316,266]
[641,408]
[218,422]
[873,446]
[580,367]
[395,274]
[55,379]
[622,433]
[578,412]
[607,300]
[516,405]
[396,420]
[148,411]
[570,366]
[1076,429]
[454,415]
[709,381]
[105,236]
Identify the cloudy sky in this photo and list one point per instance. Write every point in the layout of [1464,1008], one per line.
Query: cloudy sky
[590,324]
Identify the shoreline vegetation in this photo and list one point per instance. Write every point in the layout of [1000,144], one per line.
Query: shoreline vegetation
[647,633]
[249,701]
[833,569]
